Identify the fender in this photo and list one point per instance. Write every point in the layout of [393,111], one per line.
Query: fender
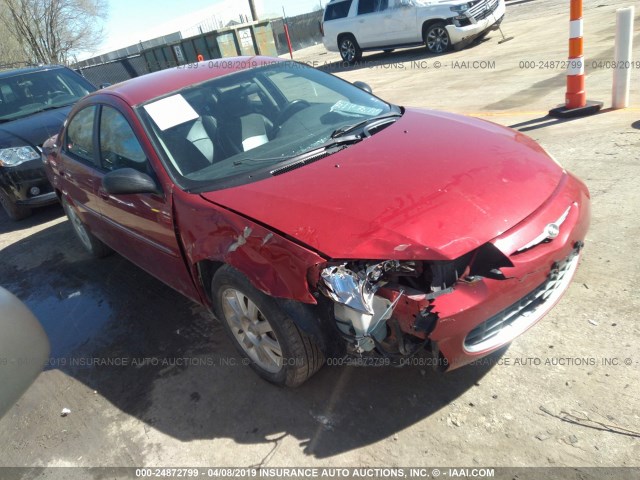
[274,264]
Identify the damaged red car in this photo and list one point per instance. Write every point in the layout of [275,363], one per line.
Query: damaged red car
[318,221]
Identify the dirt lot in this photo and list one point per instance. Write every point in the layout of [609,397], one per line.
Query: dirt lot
[583,358]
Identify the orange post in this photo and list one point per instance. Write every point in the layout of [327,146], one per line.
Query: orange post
[286,32]
[576,103]
[576,96]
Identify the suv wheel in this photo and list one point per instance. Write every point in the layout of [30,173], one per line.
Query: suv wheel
[349,49]
[436,38]
[275,348]
[89,241]
[15,212]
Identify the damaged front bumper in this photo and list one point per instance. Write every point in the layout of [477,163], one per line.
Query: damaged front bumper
[474,306]
[27,184]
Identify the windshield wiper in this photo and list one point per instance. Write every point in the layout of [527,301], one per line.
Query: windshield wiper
[332,142]
[340,132]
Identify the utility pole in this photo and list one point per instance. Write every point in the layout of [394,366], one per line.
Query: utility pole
[254,15]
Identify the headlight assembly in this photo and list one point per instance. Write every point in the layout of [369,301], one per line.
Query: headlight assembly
[460,8]
[356,287]
[11,157]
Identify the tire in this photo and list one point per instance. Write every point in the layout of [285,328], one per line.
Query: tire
[15,212]
[262,332]
[90,242]
[350,51]
[436,38]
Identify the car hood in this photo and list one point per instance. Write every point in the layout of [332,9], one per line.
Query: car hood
[33,130]
[431,186]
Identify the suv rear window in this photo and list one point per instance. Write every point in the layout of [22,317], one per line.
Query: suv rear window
[337,10]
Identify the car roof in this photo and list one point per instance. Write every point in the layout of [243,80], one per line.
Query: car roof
[153,85]
[26,70]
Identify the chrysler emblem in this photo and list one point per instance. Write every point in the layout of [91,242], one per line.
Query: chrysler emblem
[552,230]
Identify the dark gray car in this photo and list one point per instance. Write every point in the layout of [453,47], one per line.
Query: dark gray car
[34,103]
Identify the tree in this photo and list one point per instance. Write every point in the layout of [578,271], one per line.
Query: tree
[11,55]
[52,31]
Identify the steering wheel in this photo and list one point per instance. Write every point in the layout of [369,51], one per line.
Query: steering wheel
[293,107]
[58,93]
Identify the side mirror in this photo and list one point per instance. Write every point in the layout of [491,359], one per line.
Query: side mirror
[363,86]
[127,181]
[24,346]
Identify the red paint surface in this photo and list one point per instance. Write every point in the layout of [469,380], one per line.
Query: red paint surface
[431,186]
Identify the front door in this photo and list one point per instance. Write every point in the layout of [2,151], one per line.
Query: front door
[140,226]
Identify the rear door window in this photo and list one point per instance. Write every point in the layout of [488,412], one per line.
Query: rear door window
[337,10]
[79,138]
[372,6]
[366,6]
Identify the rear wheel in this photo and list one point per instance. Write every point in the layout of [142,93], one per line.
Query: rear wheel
[89,241]
[263,333]
[436,38]
[349,49]
[15,212]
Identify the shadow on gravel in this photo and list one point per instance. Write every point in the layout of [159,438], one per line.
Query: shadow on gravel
[159,357]
[549,121]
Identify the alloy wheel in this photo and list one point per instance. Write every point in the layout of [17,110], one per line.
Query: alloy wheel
[348,50]
[252,330]
[437,40]
[79,227]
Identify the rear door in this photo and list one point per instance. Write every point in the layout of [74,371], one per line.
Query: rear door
[78,167]
[370,26]
[140,227]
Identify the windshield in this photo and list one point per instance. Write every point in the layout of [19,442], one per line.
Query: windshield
[237,128]
[25,94]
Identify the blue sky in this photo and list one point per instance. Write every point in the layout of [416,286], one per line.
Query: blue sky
[130,21]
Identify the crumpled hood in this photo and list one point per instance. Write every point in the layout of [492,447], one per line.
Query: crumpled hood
[33,130]
[431,186]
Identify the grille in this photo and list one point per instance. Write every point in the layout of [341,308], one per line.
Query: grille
[514,320]
[483,9]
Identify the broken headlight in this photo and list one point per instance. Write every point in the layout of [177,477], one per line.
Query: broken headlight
[356,287]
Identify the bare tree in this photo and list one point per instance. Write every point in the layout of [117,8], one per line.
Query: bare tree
[51,31]
[11,54]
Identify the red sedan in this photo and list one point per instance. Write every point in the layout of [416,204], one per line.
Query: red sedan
[317,221]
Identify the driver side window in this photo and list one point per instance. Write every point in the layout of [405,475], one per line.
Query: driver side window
[119,147]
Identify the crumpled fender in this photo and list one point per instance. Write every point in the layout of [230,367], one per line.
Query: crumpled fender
[272,263]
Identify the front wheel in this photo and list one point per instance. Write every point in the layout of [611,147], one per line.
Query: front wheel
[15,212]
[263,333]
[349,49]
[436,38]
[89,241]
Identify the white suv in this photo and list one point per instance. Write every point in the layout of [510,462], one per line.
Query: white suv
[353,26]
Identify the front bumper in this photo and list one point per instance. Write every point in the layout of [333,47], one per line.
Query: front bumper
[479,317]
[484,20]
[18,181]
